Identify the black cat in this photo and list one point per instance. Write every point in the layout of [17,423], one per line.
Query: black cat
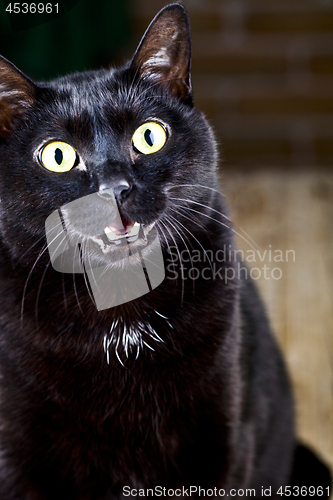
[179,387]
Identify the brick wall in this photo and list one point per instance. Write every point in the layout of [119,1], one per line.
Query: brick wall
[263,74]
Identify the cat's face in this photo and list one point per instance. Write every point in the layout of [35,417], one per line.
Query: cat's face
[133,132]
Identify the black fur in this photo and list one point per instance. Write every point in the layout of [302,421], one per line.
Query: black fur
[210,404]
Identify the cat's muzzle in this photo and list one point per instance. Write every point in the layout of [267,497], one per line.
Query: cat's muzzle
[135,263]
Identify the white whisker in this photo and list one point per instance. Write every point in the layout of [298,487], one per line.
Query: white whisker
[167,242]
[39,292]
[204,206]
[219,222]
[180,261]
[211,266]
[85,253]
[181,237]
[42,251]
[191,219]
[197,185]
[77,248]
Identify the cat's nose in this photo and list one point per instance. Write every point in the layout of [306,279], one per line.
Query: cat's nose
[120,189]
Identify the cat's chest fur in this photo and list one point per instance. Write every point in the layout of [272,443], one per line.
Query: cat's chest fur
[118,418]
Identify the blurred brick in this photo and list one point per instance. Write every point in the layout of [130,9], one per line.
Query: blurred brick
[297,104]
[291,21]
[322,65]
[256,152]
[324,150]
[239,64]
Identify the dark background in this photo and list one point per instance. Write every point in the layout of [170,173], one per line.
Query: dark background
[85,35]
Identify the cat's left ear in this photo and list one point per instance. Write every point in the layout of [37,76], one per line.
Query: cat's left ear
[164,52]
[16,95]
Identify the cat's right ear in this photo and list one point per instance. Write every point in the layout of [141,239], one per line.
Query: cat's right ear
[16,95]
[164,53]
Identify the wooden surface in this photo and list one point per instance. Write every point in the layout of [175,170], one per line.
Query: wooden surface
[280,211]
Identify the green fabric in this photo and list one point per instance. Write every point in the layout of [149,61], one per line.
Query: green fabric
[88,35]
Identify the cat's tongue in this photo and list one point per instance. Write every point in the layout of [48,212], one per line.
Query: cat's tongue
[121,227]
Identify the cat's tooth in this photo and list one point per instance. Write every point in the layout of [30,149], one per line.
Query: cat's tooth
[110,234]
[141,233]
[134,230]
[130,235]
[146,229]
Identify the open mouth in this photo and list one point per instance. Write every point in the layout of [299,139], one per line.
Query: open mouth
[127,233]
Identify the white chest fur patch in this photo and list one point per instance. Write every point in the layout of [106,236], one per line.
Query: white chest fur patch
[126,340]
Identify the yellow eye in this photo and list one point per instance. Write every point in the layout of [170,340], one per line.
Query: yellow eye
[149,138]
[58,156]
